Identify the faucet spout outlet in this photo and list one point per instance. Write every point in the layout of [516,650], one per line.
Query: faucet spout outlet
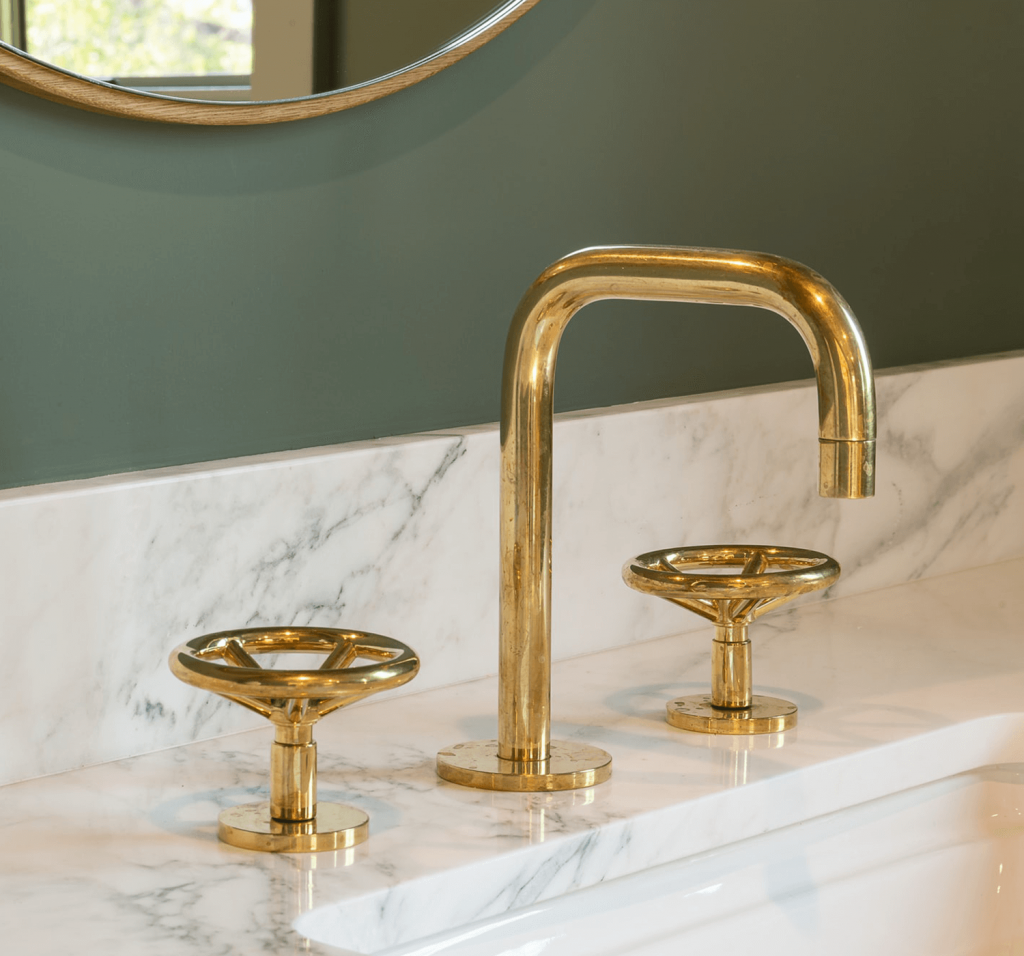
[847,468]
[846,429]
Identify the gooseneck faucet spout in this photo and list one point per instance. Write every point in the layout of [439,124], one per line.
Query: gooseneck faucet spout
[524,757]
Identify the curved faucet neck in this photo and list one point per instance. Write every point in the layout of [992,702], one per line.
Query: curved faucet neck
[846,430]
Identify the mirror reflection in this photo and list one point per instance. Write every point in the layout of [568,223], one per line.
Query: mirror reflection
[236,50]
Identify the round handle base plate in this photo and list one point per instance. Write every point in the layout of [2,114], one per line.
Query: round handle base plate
[571,766]
[765,715]
[335,827]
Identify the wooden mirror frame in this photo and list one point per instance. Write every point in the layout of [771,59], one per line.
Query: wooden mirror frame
[25,73]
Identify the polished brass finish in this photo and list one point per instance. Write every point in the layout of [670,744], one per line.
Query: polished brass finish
[293,700]
[846,428]
[764,715]
[698,579]
[251,827]
[570,766]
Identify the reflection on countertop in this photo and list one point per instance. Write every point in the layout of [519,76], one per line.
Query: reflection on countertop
[123,857]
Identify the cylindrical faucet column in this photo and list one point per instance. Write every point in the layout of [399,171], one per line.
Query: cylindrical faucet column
[731,679]
[293,773]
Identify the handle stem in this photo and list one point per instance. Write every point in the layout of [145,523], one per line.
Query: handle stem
[731,679]
[293,773]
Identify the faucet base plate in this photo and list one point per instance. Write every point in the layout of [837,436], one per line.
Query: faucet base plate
[571,766]
[335,827]
[765,715]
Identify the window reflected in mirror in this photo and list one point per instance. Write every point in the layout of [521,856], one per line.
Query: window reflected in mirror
[242,50]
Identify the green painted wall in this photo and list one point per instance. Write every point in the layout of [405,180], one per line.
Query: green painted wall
[176,294]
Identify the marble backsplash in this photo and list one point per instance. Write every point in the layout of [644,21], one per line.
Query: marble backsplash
[100,579]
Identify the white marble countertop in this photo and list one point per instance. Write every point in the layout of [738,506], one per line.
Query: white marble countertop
[123,857]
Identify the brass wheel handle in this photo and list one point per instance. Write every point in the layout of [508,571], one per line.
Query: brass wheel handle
[731,585]
[293,700]
[223,663]
[763,573]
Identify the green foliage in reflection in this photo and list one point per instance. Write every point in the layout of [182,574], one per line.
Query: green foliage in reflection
[106,38]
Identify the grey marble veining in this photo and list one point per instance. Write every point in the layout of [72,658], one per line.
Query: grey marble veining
[122,858]
[100,579]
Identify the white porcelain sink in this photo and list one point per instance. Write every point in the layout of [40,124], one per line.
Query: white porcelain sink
[937,870]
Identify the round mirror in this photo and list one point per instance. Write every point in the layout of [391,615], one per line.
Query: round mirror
[236,62]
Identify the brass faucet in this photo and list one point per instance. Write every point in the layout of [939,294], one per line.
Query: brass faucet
[524,757]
